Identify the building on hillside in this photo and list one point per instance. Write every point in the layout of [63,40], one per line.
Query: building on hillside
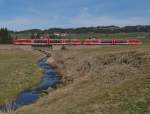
[60,34]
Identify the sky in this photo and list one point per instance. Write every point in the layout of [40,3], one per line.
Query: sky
[44,14]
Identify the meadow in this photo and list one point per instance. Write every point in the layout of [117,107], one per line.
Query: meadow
[18,71]
[95,35]
[109,36]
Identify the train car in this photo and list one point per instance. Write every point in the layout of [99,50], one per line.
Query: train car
[72,42]
[65,42]
[91,42]
[104,42]
[23,41]
[56,41]
[107,42]
[134,42]
[44,42]
[120,42]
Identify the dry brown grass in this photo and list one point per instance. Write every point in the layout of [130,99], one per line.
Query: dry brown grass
[105,80]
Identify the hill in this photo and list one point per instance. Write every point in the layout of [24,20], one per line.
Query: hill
[98,29]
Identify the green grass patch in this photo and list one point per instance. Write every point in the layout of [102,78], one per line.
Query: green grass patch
[109,36]
[18,71]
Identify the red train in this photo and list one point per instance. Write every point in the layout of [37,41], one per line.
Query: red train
[46,41]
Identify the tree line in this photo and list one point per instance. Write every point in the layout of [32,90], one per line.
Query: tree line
[98,29]
[5,37]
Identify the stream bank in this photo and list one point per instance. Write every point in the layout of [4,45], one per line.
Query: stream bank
[27,97]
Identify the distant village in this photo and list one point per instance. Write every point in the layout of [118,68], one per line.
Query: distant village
[54,35]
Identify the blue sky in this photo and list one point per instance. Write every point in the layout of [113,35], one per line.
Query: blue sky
[43,14]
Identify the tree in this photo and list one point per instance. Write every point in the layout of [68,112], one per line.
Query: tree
[5,37]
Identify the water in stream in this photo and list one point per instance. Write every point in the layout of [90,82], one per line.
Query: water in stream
[48,82]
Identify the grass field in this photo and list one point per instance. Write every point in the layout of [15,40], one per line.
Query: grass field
[95,35]
[100,80]
[107,36]
[21,35]
[18,71]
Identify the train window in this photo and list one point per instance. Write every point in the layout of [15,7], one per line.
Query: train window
[23,40]
[40,41]
[56,41]
[106,41]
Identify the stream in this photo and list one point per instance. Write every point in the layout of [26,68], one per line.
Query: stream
[27,97]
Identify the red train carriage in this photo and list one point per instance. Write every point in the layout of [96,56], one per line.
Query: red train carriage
[72,42]
[23,41]
[40,42]
[56,41]
[134,42]
[120,42]
[91,42]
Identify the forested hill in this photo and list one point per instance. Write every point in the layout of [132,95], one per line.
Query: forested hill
[98,29]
